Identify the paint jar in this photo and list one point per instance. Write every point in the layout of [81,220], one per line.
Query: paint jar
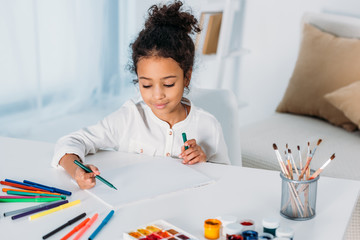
[225,220]
[212,228]
[270,224]
[250,235]
[265,235]
[286,232]
[232,228]
[234,237]
[298,198]
[247,224]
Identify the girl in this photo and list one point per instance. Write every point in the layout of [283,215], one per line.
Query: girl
[162,59]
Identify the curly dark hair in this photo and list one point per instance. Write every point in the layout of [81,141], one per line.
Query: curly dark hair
[167,34]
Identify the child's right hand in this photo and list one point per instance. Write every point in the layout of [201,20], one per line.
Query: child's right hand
[86,180]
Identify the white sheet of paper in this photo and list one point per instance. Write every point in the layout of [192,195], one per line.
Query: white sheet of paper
[146,180]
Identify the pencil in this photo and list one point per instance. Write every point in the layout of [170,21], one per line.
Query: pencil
[86,169]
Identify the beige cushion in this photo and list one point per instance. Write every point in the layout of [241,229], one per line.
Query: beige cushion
[325,63]
[347,100]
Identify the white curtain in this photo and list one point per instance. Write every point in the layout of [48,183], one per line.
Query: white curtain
[56,57]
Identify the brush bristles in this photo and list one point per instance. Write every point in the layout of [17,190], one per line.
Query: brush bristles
[332,156]
[287,146]
[274,146]
[319,141]
[298,147]
[289,150]
[308,144]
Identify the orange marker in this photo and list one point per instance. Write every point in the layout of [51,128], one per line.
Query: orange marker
[20,186]
[75,229]
[88,224]
[29,191]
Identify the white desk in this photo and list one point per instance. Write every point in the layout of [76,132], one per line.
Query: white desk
[243,192]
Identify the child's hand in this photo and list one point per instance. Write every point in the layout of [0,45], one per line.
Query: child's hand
[194,154]
[86,180]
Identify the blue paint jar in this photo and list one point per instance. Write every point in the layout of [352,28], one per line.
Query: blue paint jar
[250,235]
[265,236]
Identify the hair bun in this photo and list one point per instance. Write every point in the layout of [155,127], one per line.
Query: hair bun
[171,16]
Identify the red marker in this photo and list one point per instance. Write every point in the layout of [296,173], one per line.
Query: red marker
[77,228]
[20,186]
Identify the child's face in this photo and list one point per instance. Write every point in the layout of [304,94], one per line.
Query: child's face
[161,84]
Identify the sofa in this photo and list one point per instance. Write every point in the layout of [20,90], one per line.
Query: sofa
[295,125]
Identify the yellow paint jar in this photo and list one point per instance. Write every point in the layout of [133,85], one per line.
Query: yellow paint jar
[212,228]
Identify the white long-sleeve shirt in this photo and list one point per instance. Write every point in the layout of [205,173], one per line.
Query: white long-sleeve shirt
[135,128]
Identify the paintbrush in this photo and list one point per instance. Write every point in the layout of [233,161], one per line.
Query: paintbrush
[315,174]
[289,165]
[280,161]
[293,162]
[306,166]
[300,159]
[318,143]
[292,189]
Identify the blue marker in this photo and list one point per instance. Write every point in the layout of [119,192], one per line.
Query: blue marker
[102,224]
[30,185]
[57,190]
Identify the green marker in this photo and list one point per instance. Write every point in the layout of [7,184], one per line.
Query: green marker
[35,194]
[185,139]
[41,199]
[86,169]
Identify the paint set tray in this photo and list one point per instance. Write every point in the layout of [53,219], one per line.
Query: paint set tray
[158,230]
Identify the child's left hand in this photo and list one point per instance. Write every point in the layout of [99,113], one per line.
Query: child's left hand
[194,154]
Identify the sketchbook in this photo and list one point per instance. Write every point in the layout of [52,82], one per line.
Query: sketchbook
[146,180]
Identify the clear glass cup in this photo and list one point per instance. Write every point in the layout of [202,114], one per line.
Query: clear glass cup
[298,198]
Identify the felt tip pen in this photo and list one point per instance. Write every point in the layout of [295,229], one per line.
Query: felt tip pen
[75,229]
[31,191]
[61,207]
[86,227]
[34,194]
[19,197]
[68,223]
[185,139]
[57,190]
[29,185]
[102,224]
[30,199]
[22,186]
[39,209]
[21,210]
[86,169]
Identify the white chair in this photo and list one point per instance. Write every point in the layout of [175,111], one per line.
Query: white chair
[223,105]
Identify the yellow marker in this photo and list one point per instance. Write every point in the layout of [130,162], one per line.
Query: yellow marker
[70,204]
